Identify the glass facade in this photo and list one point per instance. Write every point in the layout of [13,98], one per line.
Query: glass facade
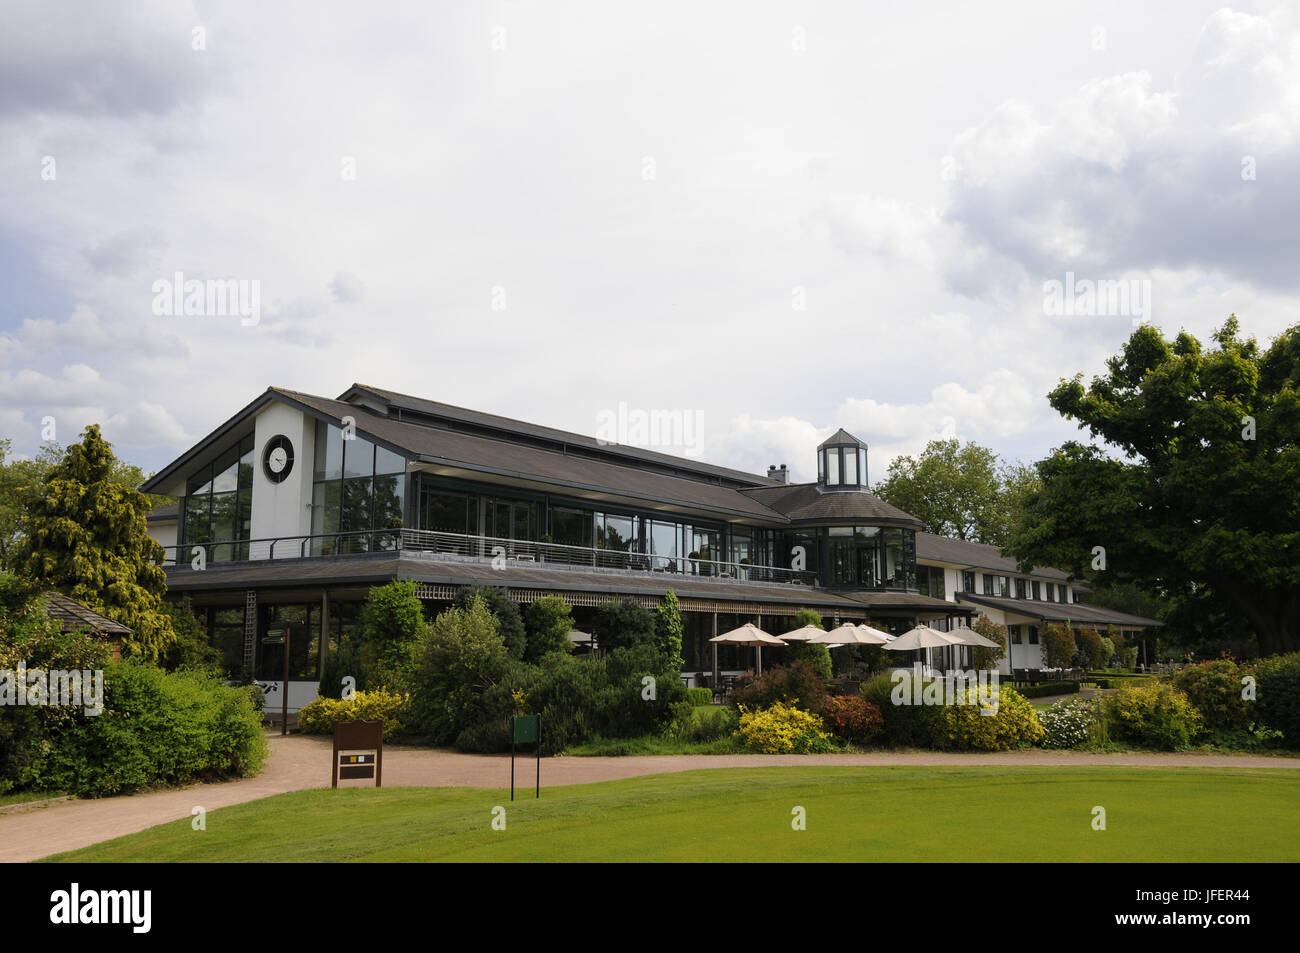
[357,488]
[842,465]
[871,557]
[218,504]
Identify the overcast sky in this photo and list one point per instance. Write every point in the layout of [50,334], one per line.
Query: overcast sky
[788,217]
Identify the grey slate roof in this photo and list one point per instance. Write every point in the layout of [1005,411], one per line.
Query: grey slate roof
[941,549]
[168,511]
[506,425]
[72,615]
[561,470]
[806,502]
[839,437]
[1075,612]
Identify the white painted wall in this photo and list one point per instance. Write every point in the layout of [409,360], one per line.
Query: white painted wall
[281,510]
[164,531]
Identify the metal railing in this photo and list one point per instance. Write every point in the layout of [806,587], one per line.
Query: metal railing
[516,553]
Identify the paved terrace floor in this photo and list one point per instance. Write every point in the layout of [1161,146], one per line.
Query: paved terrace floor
[299,762]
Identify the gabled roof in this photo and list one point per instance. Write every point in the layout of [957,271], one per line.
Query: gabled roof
[806,502]
[492,425]
[942,549]
[562,471]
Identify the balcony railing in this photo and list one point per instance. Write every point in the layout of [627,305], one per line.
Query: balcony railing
[515,552]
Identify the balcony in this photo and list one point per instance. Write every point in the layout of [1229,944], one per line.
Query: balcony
[490,550]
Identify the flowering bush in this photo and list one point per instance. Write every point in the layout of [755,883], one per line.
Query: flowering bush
[1067,723]
[1013,725]
[319,717]
[1157,715]
[797,684]
[783,729]
[852,717]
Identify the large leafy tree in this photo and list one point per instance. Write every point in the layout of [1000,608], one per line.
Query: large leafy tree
[1200,500]
[958,490]
[84,534]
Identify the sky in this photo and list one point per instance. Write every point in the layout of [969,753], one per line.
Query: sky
[775,219]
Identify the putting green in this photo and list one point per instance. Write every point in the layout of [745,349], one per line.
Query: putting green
[748,814]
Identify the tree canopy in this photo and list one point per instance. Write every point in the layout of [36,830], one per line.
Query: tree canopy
[958,490]
[84,534]
[1199,500]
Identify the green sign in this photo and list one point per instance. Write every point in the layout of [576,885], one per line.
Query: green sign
[524,729]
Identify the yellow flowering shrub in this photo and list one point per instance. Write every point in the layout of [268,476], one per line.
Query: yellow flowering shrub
[319,717]
[783,729]
[1014,724]
[1157,715]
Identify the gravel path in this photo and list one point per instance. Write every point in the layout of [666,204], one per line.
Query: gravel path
[298,762]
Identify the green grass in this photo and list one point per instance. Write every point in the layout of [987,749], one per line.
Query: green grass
[22,797]
[853,814]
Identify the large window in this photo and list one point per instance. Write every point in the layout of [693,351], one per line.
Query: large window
[218,505]
[967,580]
[930,581]
[1038,594]
[571,527]
[304,644]
[871,557]
[358,488]
[1022,589]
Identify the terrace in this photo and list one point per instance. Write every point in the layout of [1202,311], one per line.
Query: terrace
[498,552]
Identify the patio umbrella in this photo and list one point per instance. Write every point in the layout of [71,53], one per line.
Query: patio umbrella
[922,637]
[848,634]
[968,636]
[749,634]
[805,634]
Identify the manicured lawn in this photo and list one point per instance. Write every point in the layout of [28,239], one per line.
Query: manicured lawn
[853,814]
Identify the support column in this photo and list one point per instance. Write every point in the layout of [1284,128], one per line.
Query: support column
[717,674]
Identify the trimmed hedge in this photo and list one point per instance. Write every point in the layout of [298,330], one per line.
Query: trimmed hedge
[1278,695]
[699,696]
[1044,689]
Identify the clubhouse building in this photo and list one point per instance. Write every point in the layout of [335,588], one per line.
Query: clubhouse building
[296,506]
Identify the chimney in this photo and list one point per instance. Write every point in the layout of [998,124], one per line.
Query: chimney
[781,473]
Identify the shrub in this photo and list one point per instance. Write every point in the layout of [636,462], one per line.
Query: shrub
[342,662]
[157,728]
[713,723]
[797,684]
[1214,688]
[906,725]
[393,633]
[1090,645]
[1058,646]
[983,657]
[320,716]
[699,696]
[547,623]
[464,657]
[783,729]
[1156,715]
[669,631]
[967,726]
[1277,695]
[1048,688]
[818,656]
[510,623]
[191,649]
[852,718]
[1107,651]
[622,624]
[1067,724]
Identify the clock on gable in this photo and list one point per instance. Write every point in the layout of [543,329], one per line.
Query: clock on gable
[277,458]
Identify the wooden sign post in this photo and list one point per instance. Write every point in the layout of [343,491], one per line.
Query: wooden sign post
[358,752]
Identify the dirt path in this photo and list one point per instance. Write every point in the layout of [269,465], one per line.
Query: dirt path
[299,762]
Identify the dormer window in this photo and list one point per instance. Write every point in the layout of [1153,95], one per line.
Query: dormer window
[842,462]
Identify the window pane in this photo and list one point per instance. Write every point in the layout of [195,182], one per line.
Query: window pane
[388,462]
[570,527]
[850,467]
[329,452]
[616,533]
[389,509]
[832,466]
[447,512]
[325,507]
[246,469]
[821,466]
[358,458]
[198,515]
[358,503]
[862,466]
[200,482]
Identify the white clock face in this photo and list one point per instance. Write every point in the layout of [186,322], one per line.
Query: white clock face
[278,460]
